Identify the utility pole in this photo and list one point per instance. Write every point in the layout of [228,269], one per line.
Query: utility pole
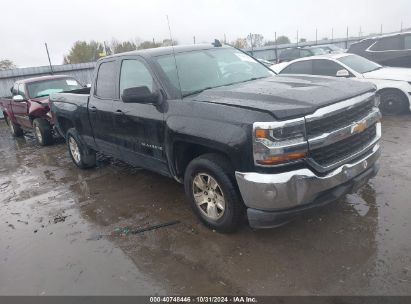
[297,37]
[381,29]
[194,39]
[360,32]
[251,42]
[346,41]
[225,39]
[401,27]
[48,55]
[332,34]
[316,36]
[276,46]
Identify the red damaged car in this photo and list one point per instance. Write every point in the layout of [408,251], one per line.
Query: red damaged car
[28,108]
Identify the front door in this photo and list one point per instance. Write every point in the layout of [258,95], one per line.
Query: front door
[139,127]
[20,108]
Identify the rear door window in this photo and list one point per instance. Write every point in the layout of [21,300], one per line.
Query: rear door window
[301,67]
[387,44]
[106,81]
[326,68]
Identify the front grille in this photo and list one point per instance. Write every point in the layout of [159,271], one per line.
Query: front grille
[339,120]
[343,149]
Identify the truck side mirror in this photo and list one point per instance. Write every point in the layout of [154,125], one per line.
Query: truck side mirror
[140,95]
[343,73]
[18,98]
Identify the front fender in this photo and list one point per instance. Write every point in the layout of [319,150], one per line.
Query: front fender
[225,137]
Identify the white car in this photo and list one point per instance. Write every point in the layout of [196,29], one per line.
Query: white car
[393,84]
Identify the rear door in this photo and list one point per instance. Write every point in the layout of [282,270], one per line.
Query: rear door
[101,114]
[139,127]
[20,108]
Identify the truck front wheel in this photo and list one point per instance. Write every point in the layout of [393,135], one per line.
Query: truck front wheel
[43,132]
[81,155]
[211,188]
[16,130]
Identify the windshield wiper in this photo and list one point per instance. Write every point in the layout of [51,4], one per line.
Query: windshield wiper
[197,91]
[43,95]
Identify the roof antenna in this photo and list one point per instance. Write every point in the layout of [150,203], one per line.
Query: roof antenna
[48,55]
[174,55]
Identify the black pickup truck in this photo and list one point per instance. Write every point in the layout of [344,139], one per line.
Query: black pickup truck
[242,139]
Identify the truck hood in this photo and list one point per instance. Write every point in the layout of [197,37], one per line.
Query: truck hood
[389,73]
[286,96]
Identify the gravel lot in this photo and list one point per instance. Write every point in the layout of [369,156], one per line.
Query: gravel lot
[66,231]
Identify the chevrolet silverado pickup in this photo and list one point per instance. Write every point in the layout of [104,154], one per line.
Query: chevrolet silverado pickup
[241,139]
[28,108]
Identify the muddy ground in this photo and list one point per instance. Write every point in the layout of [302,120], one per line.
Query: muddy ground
[62,231]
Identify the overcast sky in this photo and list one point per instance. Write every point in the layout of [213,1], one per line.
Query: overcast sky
[25,27]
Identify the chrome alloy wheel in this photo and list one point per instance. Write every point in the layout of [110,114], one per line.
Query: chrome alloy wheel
[38,134]
[208,196]
[74,150]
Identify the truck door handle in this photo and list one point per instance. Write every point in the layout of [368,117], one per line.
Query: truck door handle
[93,109]
[118,112]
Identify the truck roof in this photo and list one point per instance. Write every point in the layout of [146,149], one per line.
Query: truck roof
[167,50]
[41,78]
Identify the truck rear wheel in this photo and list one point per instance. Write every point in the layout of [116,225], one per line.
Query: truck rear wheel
[16,130]
[43,132]
[211,188]
[80,154]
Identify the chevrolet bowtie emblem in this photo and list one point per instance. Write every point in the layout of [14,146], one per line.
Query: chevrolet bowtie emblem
[358,127]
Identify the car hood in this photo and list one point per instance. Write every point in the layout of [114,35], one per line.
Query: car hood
[43,100]
[389,73]
[286,96]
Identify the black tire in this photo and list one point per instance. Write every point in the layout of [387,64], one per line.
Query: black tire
[86,158]
[393,102]
[218,167]
[43,132]
[15,129]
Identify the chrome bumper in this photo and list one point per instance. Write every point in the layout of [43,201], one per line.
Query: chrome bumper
[274,192]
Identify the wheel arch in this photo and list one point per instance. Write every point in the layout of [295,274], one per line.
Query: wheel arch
[184,152]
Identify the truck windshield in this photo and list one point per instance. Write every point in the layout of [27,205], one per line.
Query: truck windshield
[359,64]
[47,87]
[211,68]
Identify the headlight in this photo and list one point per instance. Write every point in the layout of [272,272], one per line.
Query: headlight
[277,143]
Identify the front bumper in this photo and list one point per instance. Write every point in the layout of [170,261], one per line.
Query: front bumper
[272,199]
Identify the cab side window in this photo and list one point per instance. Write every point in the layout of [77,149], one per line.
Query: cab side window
[135,74]
[301,67]
[326,68]
[22,90]
[106,81]
[15,89]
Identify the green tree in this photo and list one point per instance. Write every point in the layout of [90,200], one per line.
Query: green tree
[6,64]
[121,47]
[148,45]
[282,40]
[168,42]
[83,51]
